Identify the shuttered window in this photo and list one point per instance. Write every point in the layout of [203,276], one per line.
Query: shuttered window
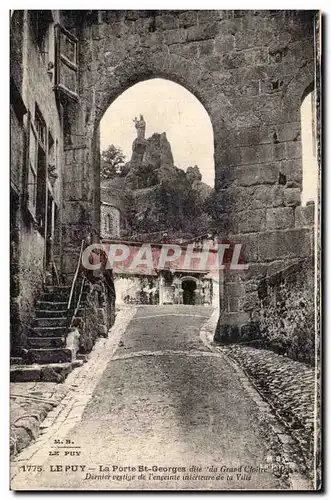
[66,69]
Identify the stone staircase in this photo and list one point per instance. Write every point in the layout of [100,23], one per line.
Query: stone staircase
[47,357]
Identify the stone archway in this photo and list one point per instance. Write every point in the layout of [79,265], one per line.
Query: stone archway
[249,97]
[99,89]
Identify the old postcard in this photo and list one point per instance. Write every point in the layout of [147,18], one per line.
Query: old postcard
[165,249]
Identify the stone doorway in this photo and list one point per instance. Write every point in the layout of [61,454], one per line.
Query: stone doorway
[189,287]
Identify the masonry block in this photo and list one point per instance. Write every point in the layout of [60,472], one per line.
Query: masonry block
[249,38]
[292,197]
[249,250]
[226,334]
[206,16]
[175,36]
[287,244]
[305,216]
[251,221]
[254,272]
[238,199]
[256,154]
[256,57]
[166,22]
[152,40]
[212,63]
[248,136]
[187,50]
[280,218]
[232,60]
[206,47]
[292,169]
[251,175]
[293,149]
[224,43]
[202,32]
[144,25]
[188,18]
[289,132]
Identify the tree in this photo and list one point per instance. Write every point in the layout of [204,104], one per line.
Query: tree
[112,162]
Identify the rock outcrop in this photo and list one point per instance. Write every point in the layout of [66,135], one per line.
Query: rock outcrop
[156,194]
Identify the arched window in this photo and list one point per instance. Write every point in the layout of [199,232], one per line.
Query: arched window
[108,223]
[309,149]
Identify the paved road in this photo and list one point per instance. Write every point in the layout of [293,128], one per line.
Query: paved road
[166,401]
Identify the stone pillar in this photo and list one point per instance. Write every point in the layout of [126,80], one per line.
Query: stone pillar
[161,289]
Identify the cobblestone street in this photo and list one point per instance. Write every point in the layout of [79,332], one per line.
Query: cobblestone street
[153,395]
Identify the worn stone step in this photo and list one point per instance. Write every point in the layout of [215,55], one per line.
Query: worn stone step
[51,306]
[16,360]
[57,321]
[54,297]
[46,342]
[48,331]
[52,372]
[61,313]
[65,289]
[44,356]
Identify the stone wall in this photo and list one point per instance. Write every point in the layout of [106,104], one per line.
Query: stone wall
[97,314]
[34,86]
[286,317]
[250,70]
[283,318]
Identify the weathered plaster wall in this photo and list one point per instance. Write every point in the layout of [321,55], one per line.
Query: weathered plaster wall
[250,70]
[29,69]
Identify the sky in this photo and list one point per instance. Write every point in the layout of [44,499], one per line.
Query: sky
[166,107]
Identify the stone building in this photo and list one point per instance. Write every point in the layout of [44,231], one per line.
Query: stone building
[175,284]
[251,70]
[36,113]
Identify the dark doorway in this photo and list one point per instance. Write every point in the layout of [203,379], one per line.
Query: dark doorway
[189,286]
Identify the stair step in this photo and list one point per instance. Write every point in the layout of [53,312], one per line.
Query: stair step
[58,288]
[57,321]
[50,305]
[44,356]
[54,297]
[53,372]
[46,342]
[16,360]
[43,313]
[48,331]
[46,313]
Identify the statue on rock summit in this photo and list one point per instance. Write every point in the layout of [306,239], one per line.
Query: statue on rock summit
[140,126]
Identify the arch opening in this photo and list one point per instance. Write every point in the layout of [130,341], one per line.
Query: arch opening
[309,147]
[157,168]
[158,137]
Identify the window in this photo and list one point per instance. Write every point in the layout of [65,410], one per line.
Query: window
[108,223]
[37,175]
[66,63]
[40,126]
[32,172]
